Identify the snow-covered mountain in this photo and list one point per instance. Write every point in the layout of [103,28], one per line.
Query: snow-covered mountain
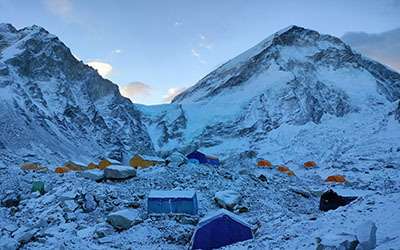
[54,107]
[297,90]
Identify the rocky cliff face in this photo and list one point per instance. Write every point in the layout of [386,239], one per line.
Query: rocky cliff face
[54,107]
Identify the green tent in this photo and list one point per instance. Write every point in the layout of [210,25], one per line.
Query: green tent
[38,186]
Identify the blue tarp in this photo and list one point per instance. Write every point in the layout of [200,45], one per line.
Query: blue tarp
[203,158]
[165,202]
[221,229]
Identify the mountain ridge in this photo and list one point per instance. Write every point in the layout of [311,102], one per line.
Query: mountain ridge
[51,94]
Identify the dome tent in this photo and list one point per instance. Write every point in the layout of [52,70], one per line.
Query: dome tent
[220,229]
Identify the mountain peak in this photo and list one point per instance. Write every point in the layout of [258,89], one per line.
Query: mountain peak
[7,27]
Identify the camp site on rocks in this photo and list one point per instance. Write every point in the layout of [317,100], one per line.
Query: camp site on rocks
[291,144]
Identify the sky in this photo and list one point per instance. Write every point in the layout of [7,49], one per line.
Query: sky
[155,49]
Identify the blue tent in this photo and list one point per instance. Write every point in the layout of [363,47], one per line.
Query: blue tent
[220,229]
[203,158]
[176,202]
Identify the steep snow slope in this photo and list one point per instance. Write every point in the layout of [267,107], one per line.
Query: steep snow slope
[294,81]
[55,108]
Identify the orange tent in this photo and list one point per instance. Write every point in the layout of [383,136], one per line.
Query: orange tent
[61,170]
[336,178]
[264,163]
[310,164]
[290,173]
[283,169]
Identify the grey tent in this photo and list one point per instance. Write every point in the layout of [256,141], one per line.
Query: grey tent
[177,202]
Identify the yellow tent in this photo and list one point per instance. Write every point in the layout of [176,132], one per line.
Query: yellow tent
[30,166]
[74,166]
[104,163]
[92,166]
[145,161]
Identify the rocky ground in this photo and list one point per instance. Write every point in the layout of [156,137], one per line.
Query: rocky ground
[282,209]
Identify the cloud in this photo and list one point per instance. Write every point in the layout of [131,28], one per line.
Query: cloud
[172,92]
[383,47]
[61,8]
[104,69]
[178,23]
[135,89]
[196,54]
[117,51]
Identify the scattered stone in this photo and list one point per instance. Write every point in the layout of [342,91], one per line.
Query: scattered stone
[302,192]
[24,234]
[70,195]
[70,206]
[366,235]
[103,230]
[7,243]
[124,219]
[119,172]
[89,204]
[11,199]
[262,177]
[177,158]
[227,199]
[243,209]
[337,242]
[134,205]
[93,174]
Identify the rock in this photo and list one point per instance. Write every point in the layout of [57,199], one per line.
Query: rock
[366,235]
[103,230]
[119,172]
[337,242]
[70,195]
[302,192]
[177,158]
[93,174]
[227,199]
[24,234]
[8,244]
[124,219]
[11,199]
[89,204]
[69,205]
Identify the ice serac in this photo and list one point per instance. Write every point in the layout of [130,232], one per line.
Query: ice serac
[295,87]
[54,107]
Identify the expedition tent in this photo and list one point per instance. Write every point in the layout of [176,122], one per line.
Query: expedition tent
[203,158]
[144,161]
[220,229]
[107,162]
[175,202]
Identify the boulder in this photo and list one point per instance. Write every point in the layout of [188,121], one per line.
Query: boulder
[124,219]
[116,172]
[337,242]
[11,199]
[93,174]
[366,235]
[227,199]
